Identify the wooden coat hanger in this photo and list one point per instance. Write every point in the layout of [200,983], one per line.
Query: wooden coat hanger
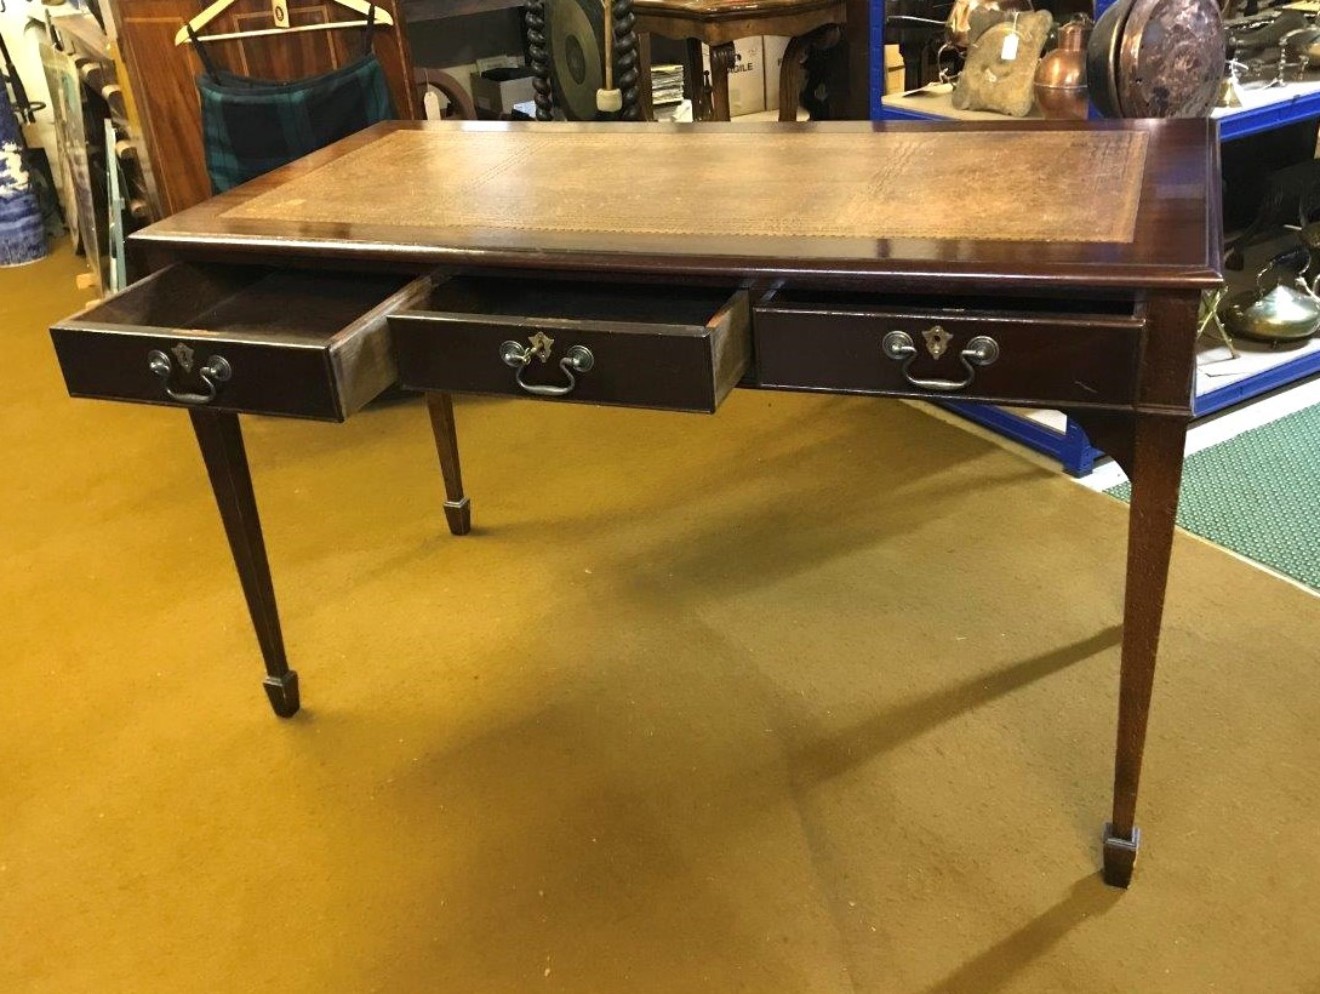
[280,13]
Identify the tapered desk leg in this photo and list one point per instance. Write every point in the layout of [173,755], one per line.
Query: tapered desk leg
[1156,470]
[458,509]
[221,442]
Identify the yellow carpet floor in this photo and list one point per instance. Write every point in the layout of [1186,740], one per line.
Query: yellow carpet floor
[816,695]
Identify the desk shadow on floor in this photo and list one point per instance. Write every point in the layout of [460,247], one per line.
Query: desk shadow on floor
[992,969]
[761,490]
[834,754]
[621,819]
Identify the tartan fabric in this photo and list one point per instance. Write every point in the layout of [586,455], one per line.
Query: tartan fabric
[251,126]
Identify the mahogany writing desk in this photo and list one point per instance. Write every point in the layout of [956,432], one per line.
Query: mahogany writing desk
[849,258]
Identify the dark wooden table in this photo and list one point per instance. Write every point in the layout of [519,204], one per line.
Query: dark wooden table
[416,11]
[483,258]
[719,24]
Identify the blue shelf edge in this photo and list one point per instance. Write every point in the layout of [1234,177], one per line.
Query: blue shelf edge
[1240,124]
[888,113]
[1284,374]
[1074,451]
[1071,448]
[1231,127]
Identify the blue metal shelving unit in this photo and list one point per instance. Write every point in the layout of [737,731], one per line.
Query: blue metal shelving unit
[1241,123]
[1071,447]
[1256,384]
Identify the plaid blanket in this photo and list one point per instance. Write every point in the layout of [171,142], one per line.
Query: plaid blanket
[251,126]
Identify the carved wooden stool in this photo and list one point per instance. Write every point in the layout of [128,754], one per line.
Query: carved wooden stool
[811,24]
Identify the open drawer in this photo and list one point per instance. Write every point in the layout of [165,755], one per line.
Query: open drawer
[1038,350]
[633,344]
[252,339]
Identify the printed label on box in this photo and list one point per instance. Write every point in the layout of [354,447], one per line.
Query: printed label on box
[773,47]
[746,78]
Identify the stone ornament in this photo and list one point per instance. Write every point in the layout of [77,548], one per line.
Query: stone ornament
[1001,63]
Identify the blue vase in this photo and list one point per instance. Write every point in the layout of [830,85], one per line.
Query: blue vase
[22,231]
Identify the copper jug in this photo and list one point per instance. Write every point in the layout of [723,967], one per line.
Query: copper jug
[1060,84]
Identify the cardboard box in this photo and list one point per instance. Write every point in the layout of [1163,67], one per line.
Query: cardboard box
[497,90]
[773,48]
[746,79]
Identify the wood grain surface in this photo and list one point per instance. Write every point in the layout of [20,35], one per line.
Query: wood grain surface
[903,185]
[729,8]
[716,22]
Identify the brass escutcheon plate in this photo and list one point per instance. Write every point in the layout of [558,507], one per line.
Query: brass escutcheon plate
[937,340]
[541,344]
[185,356]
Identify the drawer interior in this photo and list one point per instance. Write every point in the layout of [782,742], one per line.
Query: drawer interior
[653,345]
[294,342]
[241,301]
[633,303]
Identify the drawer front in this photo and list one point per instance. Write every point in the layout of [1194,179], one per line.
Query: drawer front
[680,367]
[247,339]
[1027,357]
[279,379]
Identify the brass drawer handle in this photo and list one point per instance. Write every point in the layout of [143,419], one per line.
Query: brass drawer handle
[578,360]
[215,372]
[980,351]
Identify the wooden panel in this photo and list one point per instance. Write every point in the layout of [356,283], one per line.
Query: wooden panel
[293,56]
[717,22]
[362,355]
[731,8]
[432,10]
[1051,352]
[899,185]
[654,345]
[161,75]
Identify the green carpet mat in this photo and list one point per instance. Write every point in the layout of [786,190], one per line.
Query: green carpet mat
[1259,495]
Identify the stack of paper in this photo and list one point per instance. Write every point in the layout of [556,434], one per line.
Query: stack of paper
[666,84]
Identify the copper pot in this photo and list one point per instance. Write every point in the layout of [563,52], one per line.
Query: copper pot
[1060,84]
[958,27]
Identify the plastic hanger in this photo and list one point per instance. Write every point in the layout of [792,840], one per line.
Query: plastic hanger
[280,13]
